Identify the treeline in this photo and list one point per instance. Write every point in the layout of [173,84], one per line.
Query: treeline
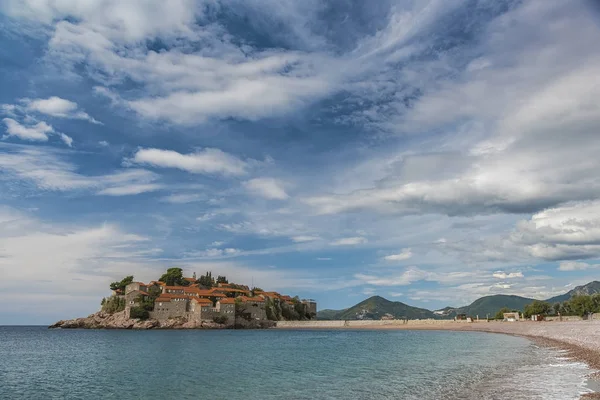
[578,305]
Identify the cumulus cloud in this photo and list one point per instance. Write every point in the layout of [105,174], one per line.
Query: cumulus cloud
[404,255]
[268,188]
[206,161]
[573,266]
[36,133]
[562,233]
[57,107]
[349,241]
[504,275]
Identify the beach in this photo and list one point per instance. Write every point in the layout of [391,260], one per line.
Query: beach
[581,339]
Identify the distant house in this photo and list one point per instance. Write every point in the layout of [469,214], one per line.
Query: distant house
[511,316]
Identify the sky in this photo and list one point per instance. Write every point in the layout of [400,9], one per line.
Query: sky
[427,151]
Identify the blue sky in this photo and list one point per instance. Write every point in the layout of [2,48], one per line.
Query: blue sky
[431,152]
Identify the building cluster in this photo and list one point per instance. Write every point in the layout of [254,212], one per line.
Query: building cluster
[199,304]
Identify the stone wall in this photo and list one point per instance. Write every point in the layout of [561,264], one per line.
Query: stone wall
[256,310]
[169,309]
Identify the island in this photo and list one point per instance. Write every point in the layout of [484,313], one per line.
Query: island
[177,302]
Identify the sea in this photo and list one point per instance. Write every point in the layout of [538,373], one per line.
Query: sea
[38,363]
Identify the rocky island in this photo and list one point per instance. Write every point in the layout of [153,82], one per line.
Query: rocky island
[176,302]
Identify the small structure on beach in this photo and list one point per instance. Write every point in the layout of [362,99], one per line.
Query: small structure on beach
[511,316]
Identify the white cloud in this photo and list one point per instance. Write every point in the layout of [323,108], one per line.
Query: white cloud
[130,189]
[48,171]
[304,238]
[349,241]
[504,275]
[103,143]
[206,161]
[183,198]
[324,258]
[410,275]
[71,266]
[268,188]
[57,107]
[216,253]
[404,255]
[36,133]
[66,139]
[573,266]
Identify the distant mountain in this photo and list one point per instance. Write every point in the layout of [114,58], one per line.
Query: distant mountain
[376,307]
[488,305]
[588,288]
[329,314]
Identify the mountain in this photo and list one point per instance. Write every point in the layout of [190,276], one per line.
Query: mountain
[588,288]
[329,315]
[376,307]
[488,305]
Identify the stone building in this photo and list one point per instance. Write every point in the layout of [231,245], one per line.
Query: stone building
[253,307]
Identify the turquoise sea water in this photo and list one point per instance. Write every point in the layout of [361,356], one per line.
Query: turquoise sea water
[37,363]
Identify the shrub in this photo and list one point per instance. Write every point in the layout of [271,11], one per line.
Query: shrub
[113,304]
[139,312]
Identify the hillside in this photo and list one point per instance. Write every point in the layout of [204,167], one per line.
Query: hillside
[376,307]
[589,288]
[489,305]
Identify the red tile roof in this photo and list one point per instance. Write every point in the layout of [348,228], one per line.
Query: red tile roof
[230,290]
[251,299]
[227,301]
[202,301]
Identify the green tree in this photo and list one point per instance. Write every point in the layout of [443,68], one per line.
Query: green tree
[206,280]
[500,313]
[121,285]
[113,304]
[537,308]
[556,308]
[222,279]
[581,305]
[138,312]
[174,277]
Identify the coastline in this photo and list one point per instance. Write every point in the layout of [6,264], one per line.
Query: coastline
[580,339]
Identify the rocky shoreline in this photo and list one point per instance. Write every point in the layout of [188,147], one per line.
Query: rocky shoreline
[119,320]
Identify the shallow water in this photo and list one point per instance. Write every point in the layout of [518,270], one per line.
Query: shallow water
[36,363]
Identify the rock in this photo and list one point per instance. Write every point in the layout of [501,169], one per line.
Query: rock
[119,320]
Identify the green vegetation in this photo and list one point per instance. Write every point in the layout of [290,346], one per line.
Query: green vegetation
[121,285]
[207,280]
[139,312]
[538,307]
[500,313]
[374,308]
[174,277]
[222,279]
[580,305]
[113,304]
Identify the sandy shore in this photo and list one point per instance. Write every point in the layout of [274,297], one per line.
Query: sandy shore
[580,338]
